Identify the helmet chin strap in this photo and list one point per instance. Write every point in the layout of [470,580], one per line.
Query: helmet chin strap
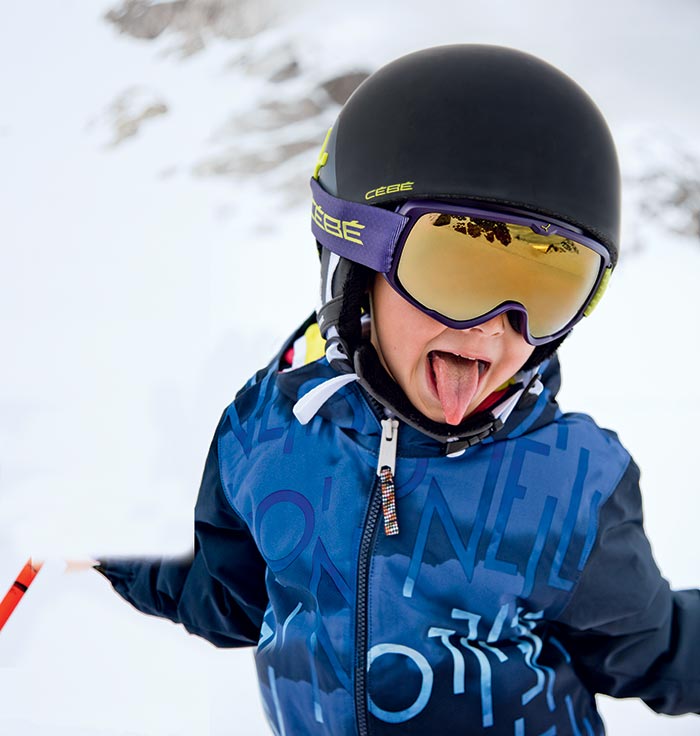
[377,382]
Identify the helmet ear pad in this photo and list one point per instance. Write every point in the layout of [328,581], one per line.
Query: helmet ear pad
[355,292]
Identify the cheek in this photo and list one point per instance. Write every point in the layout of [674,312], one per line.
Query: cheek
[517,355]
[513,355]
[398,328]
[525,352]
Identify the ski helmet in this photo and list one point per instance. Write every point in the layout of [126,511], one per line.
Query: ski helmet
[482,123]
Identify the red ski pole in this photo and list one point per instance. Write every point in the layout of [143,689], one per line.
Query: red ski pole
[17,590]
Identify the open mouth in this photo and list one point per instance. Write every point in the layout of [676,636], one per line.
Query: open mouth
[454,358]
[455,380]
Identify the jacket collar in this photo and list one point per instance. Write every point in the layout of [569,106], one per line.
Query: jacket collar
[352,408]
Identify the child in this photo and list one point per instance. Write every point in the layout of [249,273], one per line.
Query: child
[395,511]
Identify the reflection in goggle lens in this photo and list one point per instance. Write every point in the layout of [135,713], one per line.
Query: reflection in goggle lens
[463,267]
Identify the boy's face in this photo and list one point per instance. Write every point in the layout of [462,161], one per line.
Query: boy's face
[444,372]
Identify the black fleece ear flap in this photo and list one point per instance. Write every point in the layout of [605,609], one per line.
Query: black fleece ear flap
[355,300]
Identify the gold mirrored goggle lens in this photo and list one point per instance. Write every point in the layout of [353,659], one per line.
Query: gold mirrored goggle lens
[463,267]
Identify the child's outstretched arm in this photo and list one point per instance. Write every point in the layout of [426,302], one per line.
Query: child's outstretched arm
[218,591]
[629,634]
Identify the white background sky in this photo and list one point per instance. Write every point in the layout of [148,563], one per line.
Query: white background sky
[136,298]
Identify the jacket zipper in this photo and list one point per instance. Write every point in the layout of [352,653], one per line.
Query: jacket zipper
[377,503]
[385,471]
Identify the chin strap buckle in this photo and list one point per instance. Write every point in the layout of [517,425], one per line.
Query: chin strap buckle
[456,447]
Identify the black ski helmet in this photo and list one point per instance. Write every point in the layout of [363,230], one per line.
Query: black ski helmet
[477,122]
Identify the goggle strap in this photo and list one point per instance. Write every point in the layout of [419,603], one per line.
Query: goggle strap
[599,292]
[358,232]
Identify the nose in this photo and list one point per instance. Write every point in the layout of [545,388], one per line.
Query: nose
[493,327]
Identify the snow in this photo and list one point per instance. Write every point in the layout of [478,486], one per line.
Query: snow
[136,297]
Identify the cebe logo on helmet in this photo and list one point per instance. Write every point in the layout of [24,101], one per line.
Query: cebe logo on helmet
[405,186]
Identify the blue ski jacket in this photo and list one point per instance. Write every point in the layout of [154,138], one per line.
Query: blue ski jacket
[520,583]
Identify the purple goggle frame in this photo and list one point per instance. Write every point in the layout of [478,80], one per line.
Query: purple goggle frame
[375,237]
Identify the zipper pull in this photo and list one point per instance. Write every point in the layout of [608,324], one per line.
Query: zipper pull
[385,471]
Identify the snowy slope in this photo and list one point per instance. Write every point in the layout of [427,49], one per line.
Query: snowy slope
[144,280]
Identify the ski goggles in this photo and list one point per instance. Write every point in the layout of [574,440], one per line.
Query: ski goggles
[463,265]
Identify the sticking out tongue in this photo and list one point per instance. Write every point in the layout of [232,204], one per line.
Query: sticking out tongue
[456,380]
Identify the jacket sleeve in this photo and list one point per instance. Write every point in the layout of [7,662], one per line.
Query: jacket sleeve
[628,633]
[218,590]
